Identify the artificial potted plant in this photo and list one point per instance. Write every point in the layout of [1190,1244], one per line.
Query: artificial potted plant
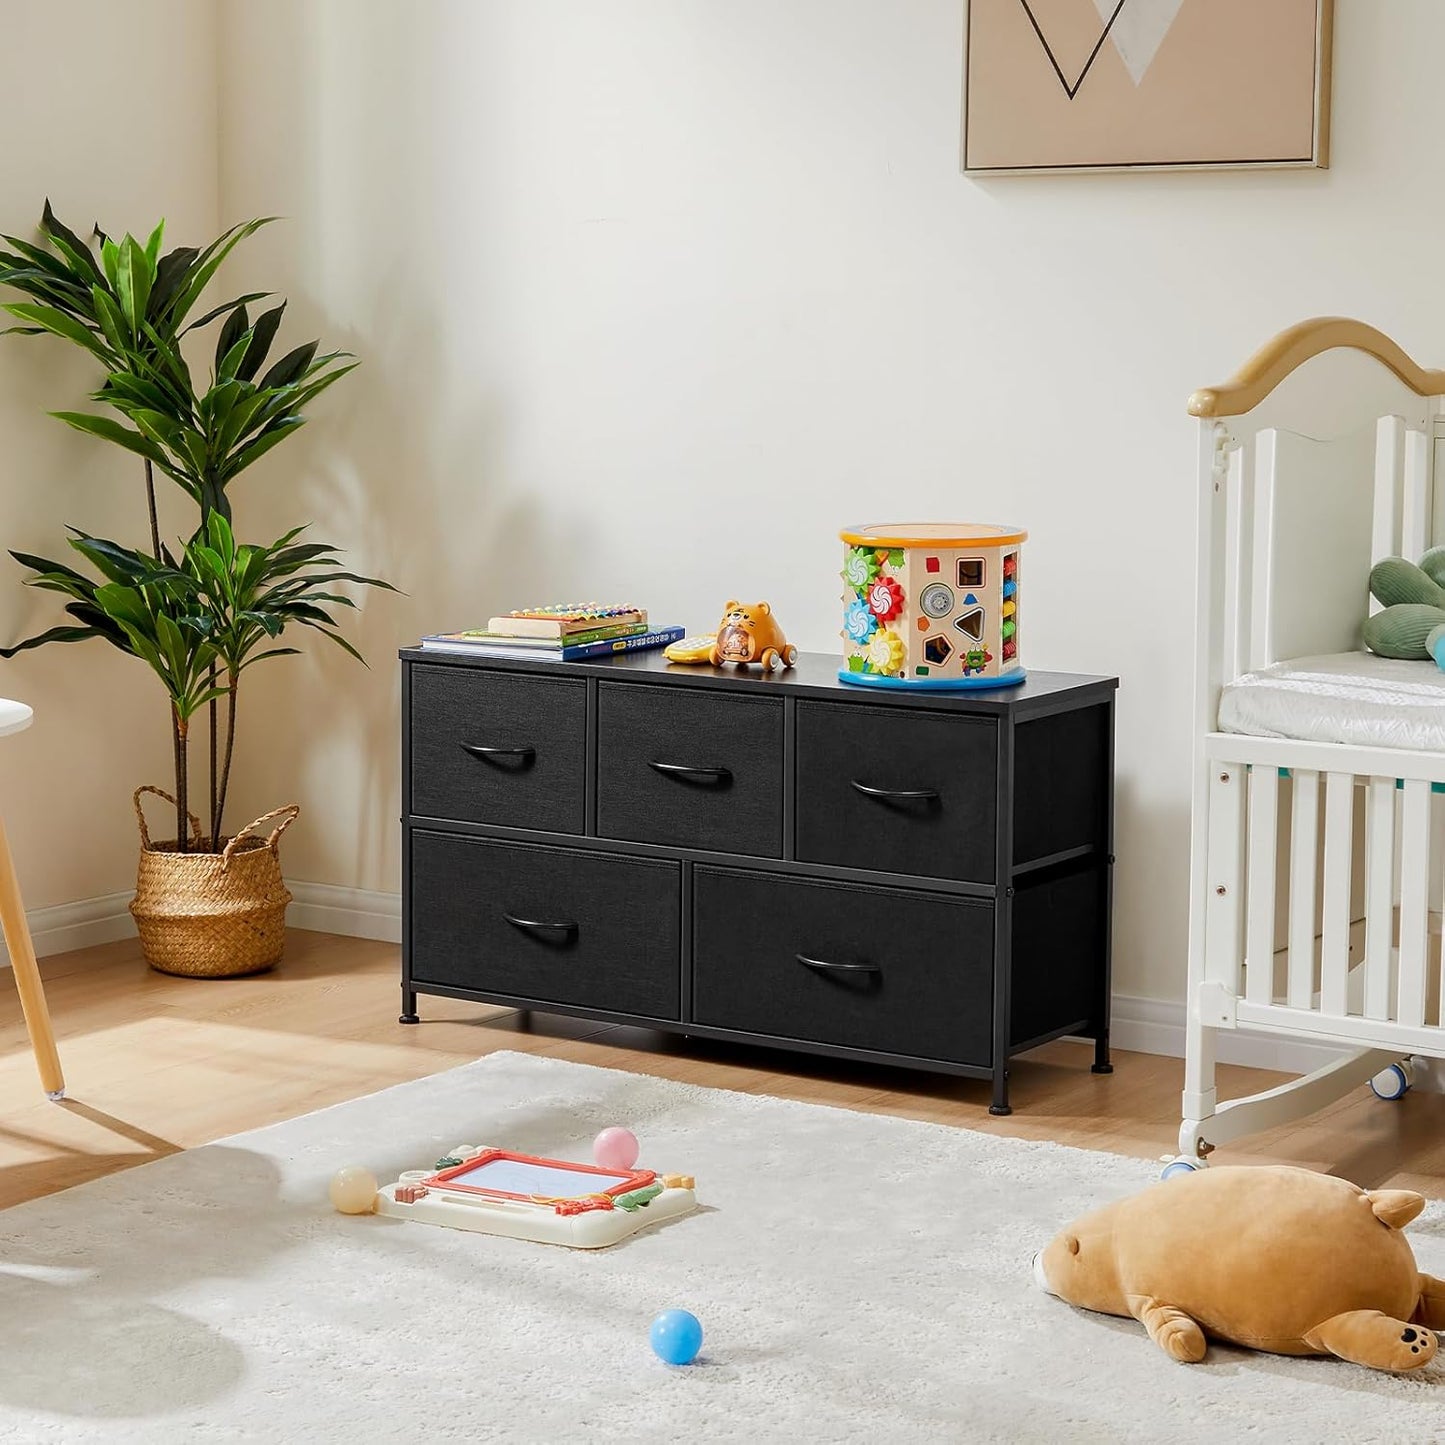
[200,614]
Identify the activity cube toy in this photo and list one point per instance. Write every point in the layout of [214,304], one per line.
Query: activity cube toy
[931,605]
[552,1201]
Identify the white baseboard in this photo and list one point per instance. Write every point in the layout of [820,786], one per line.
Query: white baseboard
[65,926]
[353,912]
[1153,1026]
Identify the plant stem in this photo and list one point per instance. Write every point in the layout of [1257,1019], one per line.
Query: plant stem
[215,796]
[151,504]
[181,726]
[232,683]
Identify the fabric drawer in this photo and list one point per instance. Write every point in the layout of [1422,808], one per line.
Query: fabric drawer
[546,924]
[691,768]
[899,792]
[498,747]
[864,968]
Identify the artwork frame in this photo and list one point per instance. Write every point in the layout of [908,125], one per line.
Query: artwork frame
[1023,115]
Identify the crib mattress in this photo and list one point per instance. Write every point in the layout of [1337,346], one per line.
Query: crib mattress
[1346,697]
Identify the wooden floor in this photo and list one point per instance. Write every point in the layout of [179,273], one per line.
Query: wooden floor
[156,1064]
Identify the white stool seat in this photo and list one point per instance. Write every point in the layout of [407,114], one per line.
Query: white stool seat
[14,716]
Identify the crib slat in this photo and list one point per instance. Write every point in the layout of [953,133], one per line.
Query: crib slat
[1262,529]
[1235,582]
[1263,838]
[1379,896]
[1335,947]
[1415,517]
[1414,900]
[1223,939]
[1389,463]
[1304,835]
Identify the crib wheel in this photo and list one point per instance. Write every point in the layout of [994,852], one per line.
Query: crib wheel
[1394,1082]
[1182,1164]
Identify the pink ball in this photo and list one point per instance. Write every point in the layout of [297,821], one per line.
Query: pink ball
[616,1148]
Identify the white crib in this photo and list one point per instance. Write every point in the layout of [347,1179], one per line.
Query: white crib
[1315,892]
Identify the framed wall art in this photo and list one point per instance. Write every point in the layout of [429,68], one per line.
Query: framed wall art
[1078,85]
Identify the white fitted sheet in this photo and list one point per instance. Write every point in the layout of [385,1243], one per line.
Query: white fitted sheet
[1346,697]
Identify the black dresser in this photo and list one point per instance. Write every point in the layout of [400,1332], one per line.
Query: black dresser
[916,878]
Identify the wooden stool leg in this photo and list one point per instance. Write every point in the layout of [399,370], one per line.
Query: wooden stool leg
[27,975]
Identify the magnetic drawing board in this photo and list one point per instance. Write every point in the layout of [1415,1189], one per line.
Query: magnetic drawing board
[506,1174]
[552,1201]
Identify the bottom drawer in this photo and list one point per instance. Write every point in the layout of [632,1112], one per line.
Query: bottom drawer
[865,968]
[546,924]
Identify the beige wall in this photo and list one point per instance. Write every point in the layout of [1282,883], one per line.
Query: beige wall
[653,295]
[110,110]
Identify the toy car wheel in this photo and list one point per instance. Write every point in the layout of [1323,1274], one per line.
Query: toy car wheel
[1393,1083]
[1182,1165]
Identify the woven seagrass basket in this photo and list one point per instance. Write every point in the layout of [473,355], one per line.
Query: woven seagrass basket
[212,915]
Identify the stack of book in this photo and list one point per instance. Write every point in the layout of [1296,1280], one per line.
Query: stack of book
[560,633]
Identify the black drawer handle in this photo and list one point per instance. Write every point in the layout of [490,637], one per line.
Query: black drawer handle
[542,926]
[685,773]
[897,795]
[822,963]
[500,756]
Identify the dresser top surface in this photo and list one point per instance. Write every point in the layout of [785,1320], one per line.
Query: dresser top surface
[815,675]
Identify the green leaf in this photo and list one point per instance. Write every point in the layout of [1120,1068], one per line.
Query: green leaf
[258,448]
[171,272]
[110,262]
[124,390]
[345,646]
[68,243]
[291,367]
[59,323]
[133,282]
[209,261]
[118,563]
[262,335]
[44,260]
[45,565]
[225,306]
[153,246]
[112,323]
[226,367]
[54,634]
[236,326]
[170,359]
[113,431]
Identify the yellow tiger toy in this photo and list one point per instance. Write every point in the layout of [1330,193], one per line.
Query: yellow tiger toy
[751,634]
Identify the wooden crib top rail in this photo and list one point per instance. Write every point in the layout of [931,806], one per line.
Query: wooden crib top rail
[1277,358]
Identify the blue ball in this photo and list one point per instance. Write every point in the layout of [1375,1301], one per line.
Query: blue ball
[676,1336]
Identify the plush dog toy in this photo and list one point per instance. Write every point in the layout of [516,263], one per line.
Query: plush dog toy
[1412,624]
[1273,1258]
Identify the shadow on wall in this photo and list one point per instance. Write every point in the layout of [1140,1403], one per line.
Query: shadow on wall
[410,463]
[425,504]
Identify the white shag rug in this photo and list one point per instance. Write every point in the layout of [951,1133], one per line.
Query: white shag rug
[858,1278]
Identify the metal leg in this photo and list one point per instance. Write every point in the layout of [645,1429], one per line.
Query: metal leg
[1101,1064]
[1000,1103]
[27,975]
[409,1014]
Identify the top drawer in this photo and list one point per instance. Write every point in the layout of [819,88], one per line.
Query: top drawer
[690,767]
[900,792]
[498,747]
